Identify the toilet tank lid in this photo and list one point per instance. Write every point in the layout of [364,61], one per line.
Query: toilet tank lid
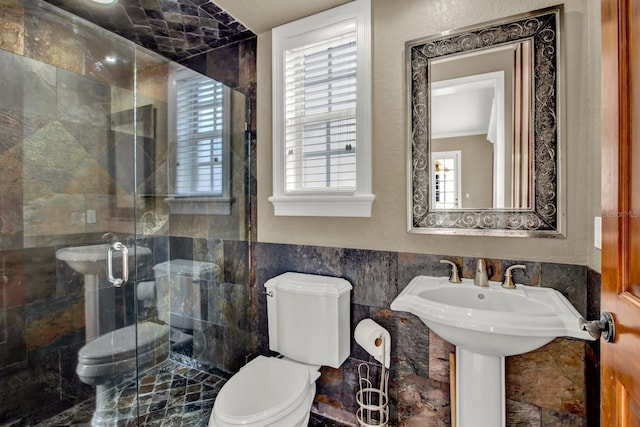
[185,267]
[309,284]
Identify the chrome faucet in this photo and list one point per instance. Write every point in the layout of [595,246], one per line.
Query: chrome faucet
[508,276]
[455,277]
[481,277]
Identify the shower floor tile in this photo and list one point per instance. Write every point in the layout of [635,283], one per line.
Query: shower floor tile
[171,394]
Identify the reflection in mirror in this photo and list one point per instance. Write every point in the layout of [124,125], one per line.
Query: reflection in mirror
[207,156]
[484,130]
[465,116]
[475,103]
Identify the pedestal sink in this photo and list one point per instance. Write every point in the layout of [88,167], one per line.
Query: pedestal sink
[91,261]
[486,324]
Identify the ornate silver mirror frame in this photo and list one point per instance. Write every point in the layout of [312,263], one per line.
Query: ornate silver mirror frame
[544,217]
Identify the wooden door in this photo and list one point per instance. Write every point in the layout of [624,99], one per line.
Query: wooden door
[620,360]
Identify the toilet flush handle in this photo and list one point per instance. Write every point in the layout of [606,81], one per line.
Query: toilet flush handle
[118,246]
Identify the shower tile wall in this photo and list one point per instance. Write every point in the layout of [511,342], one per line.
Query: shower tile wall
[546,387]
[53,121]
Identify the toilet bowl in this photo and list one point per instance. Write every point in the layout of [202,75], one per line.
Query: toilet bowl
[268,391]
[308,319]
[105,361]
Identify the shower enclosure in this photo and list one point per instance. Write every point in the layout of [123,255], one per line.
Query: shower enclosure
[95,172]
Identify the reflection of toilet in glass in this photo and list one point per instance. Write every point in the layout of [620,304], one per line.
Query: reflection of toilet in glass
[179,297]
[105,361]
[309,325]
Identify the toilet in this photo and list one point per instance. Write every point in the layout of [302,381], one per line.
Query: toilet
[309,326]
[114,354]
[105,362]
[107,359]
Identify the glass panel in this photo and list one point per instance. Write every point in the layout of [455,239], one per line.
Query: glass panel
[87,155]
[182,288]
[63,185]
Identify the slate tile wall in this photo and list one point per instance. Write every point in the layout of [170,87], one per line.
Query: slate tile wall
[550,386]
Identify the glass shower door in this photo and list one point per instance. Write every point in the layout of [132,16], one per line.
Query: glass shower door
[139,144]
[87,169]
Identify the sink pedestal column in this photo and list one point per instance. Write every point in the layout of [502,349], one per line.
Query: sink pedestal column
[99,306]
[479,389]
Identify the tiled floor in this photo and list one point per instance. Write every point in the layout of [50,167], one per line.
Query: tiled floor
[171,394]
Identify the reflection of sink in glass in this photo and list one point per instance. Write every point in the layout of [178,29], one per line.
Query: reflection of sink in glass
[92,259]
[485,325]
[99,294]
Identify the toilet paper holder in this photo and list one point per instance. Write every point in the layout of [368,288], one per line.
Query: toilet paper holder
[373,402]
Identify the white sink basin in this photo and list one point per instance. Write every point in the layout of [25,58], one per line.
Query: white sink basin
[486,324]
[493,320]
[92,259]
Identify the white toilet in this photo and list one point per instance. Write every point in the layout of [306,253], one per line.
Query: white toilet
[309,325]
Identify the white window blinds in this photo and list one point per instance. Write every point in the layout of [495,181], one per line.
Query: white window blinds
[200,135]
[320,105]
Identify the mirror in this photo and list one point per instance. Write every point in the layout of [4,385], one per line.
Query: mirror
[484,140]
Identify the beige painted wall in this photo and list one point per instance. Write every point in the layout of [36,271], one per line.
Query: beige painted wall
[394,23]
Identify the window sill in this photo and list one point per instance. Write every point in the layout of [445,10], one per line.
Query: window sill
[199,205]
[336,206]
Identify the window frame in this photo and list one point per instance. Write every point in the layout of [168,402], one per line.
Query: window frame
[304,32]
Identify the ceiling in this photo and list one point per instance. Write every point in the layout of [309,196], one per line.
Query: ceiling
[180,29]
[462,110]
[176,29]
[263,15]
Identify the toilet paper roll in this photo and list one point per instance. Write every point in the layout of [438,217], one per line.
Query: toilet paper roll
[146,292]
[375,340]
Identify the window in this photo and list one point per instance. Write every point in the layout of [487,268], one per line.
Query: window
[322,114]
[202,145]
[446,179]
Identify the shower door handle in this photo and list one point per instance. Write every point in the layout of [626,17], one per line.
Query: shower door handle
[118,246]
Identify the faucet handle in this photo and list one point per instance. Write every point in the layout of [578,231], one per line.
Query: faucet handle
[508,276]
[455,277]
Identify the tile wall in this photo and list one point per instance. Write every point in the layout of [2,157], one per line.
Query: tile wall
[553,386]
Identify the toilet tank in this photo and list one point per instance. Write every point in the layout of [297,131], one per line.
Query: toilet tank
[179,291]
[309,318]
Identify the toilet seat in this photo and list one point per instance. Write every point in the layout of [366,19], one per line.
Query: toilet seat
[266,388]
[121,344]
[117,352]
